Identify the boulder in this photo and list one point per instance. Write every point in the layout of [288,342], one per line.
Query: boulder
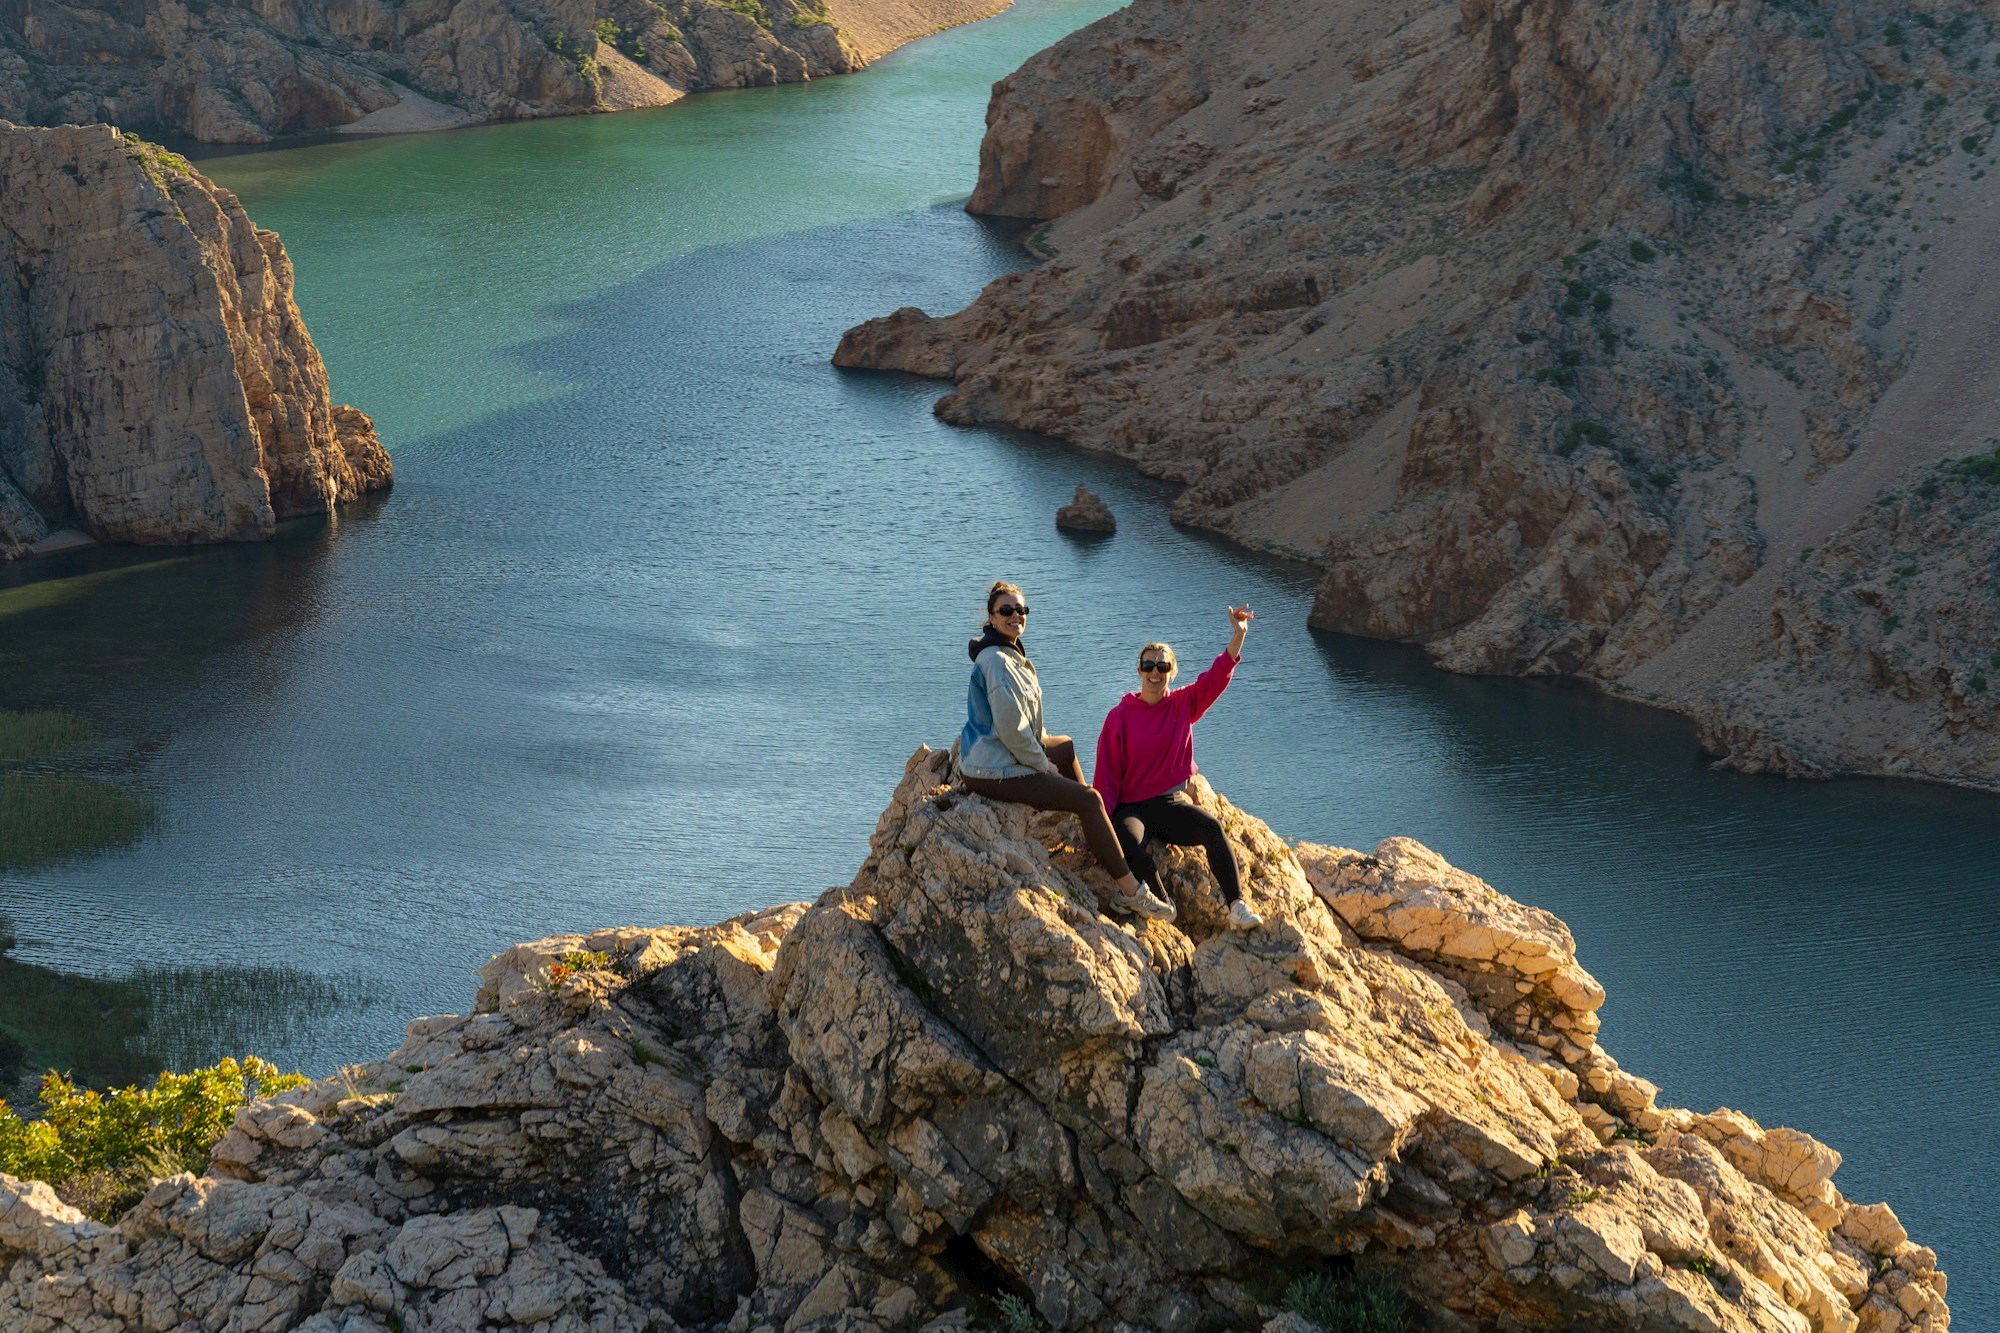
[1086,513]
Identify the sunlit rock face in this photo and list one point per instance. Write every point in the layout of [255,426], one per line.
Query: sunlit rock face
[157,384]
[1558,335]
[955,1078]
[237,72]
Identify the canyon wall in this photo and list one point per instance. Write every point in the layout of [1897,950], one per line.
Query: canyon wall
[238,72]
[157,384]
[954,1081]
[1609,341]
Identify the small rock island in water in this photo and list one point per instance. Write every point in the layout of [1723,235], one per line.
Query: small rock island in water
[955,1080]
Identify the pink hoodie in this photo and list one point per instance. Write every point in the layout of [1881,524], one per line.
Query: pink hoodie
[1147,750]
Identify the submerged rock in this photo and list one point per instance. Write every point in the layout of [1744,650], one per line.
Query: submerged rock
[956,1076]
[157,383]
[1086,513]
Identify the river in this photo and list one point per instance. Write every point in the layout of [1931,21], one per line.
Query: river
[661,602]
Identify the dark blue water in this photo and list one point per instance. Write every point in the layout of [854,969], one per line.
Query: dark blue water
[661,602]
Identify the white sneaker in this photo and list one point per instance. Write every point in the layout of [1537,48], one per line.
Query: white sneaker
[1243,917]
[1143,903]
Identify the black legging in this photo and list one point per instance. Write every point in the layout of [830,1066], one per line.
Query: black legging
[1175,820]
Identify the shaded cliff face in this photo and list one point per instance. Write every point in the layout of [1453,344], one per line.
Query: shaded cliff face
[1553,332]
[156,382]
[954,1078]
[237,72]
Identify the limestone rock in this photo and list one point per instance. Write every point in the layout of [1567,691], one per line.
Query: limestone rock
[853,1115]
[157,384]
[243,72]
[1086,513]
[1554,334]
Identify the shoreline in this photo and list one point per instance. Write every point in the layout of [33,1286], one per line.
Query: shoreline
[417,113]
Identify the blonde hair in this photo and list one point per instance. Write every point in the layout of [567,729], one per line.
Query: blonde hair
[1173,658]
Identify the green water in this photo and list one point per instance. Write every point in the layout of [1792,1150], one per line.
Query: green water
[661,602]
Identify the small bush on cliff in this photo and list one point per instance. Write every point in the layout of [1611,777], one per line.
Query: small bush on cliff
[1350,1302]
[101,1149]
[1980,467]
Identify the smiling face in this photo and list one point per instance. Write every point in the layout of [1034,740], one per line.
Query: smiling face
[1157,668]
[1007,610]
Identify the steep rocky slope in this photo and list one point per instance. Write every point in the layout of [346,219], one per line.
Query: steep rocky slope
[238,72]
[1558,334]
[955,1079]
[156,382]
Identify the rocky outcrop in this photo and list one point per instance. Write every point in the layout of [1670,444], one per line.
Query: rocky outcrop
[1554,333]
[238,72]
[1086,512]
[954,1079]
[157,384]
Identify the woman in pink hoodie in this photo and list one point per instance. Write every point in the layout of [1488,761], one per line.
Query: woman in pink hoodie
[1145,756]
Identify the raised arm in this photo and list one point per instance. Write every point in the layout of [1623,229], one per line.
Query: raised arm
[1240,618]
[1210,684]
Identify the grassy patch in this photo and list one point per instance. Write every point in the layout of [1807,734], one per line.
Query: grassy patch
[1350,1302]
[101,1031]
[46,818]
[157,161]
[41,733]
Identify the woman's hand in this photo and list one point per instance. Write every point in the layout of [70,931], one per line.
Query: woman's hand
[1240,617]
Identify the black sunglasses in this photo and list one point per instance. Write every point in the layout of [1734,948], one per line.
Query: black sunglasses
[1156,666]
[1010,610]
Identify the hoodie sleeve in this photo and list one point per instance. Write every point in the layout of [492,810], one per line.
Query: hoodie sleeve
[1010,715]
[1109,774]
[1209,685]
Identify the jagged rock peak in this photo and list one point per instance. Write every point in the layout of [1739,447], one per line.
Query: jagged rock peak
[955,1077]
[157,383]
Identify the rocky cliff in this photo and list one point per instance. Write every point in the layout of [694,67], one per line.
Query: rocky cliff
[240,72]
[1568,339]
[156,382]
[955,1080]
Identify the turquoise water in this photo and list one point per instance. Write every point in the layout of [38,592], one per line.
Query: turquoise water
[661,602]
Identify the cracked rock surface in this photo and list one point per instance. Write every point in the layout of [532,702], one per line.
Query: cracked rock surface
[955,1077]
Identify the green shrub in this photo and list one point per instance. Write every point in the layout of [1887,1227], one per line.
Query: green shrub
[1016,1315]
[1352,1302]
[1980,467]
[1642,252]
[100,1150]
